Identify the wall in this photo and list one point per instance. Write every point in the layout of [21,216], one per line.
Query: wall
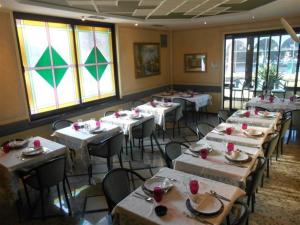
[127,36]
[210,41]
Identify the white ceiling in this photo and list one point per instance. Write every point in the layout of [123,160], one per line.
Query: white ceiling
[276,9]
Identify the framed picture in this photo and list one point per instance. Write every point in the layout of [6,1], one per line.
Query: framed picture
[146,59]
[195,62]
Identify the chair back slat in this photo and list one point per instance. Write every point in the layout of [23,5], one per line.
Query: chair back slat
[60,124]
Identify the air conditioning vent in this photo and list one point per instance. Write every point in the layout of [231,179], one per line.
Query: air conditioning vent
[97,17]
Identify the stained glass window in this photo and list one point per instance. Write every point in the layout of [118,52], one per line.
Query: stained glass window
[96,72]
[49,65]
[55,76]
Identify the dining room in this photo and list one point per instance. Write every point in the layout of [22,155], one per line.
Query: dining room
[149,112]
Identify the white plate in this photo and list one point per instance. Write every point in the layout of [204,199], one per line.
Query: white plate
[166,104]
[237,156]
[97,130]
[161,182]
[266,114]
[241,112]
[196,147]
[253,132]
[17,143]
[33,151]
[205,203]
[136,116]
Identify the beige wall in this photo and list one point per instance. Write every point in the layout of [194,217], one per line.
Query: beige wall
[210,41]
[127,36]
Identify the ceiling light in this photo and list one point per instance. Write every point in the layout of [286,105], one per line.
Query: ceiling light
[205,22]
[83,18]
[253,17]
[136,24]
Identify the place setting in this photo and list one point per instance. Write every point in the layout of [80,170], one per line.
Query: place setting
[235,156]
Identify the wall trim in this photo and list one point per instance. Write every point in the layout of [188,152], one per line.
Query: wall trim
[199,88]
[23,125]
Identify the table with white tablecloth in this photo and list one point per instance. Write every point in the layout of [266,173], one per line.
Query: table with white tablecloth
[216,166]
[125,121]
[14,160]
[136,211]
[78,139]
[279,104]
[200,100]
[159,111]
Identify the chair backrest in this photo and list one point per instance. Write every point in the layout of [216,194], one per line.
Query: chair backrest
[148,127]
[240,213]
[255,177]
[285,125]
[203,129]
[295,119]
[271,146]
[223,115]
[172,151]
[108,113]
[116,185]
[59,124]
[107,148]
[51,173]
[261,109]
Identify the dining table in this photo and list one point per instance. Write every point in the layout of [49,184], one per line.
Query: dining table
[134,210]
[126,120]
[278,104]
[159,110]
[200,100]
[14,160]
[78,139]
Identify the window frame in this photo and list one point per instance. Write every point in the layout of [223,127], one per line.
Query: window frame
[72,23]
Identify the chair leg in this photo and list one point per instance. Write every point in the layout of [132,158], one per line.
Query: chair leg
[42,203]
[151,140]
[262,180]
[69,186]
[178,127]
[281,144]
[120,160]
[174,125]
[90,173]
[27,199]
[131,150]
[67,199]
[277,149]
[268,168]
[109,163]
[59,197]
[253,201]
[142,148]
[227,220]
[126,144]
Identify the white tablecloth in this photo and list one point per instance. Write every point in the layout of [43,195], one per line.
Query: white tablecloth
[13,160]
[200,100]
[125,122]
[158,112]
[279,104]
[135,211]
[256,120]
[215,165]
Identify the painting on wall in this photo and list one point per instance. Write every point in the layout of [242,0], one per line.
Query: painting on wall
[195,62]
[146,59]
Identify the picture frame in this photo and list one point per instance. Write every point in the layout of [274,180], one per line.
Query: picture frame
[195,63]
[146,59]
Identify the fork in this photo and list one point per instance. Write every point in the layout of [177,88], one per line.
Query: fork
[146,198]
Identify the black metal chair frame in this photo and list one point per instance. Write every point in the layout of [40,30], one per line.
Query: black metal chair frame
[201,135]
[168,159]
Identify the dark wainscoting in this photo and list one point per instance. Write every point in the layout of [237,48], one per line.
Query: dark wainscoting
[22,125]
[199,88]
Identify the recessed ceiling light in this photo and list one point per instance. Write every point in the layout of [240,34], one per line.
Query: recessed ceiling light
[83,18]
[205,22]
[136,24]
[253,17]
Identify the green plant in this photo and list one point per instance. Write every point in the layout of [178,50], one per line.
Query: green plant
[271,79]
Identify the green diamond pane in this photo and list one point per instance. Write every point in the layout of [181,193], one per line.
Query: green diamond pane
[45,61]
[47,75]
[91,59]
[93,72]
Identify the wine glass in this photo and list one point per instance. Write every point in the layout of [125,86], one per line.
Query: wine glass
[194,186]
[158,194]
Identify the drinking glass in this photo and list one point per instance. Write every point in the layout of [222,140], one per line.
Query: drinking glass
[230,147]
[158,194]
[244,126]
[194,186]
[36,143]
[204,153]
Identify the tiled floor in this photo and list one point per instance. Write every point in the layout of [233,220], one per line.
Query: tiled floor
[277,203]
